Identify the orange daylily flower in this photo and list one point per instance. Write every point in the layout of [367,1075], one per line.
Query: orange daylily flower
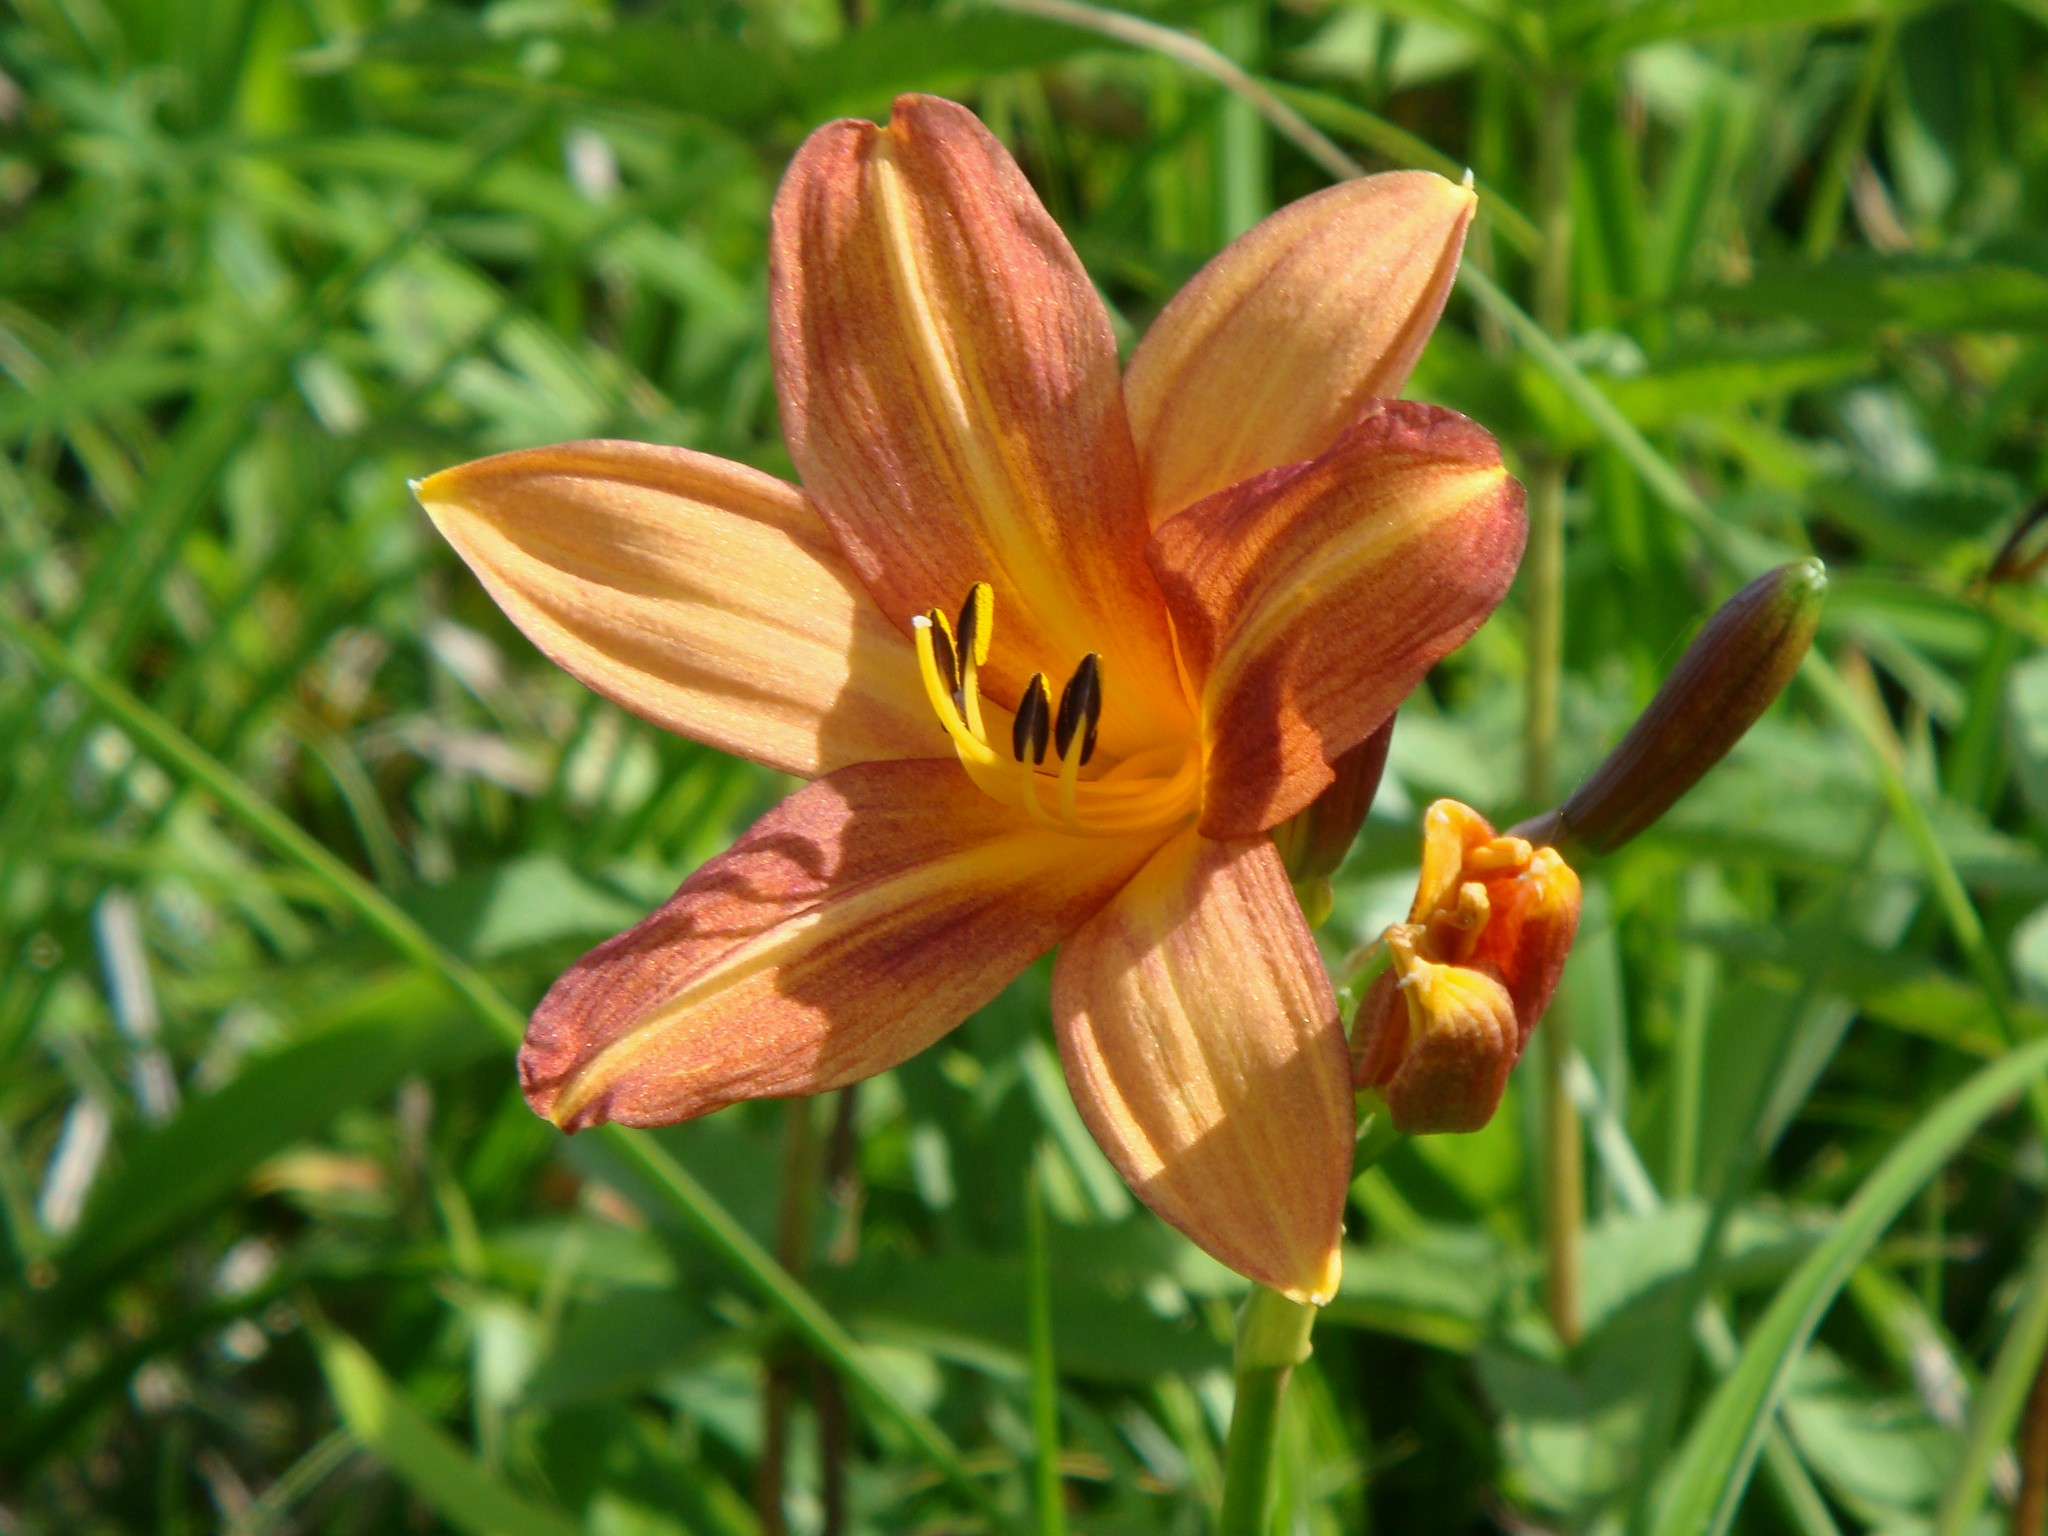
[1471,972]
[1182,594]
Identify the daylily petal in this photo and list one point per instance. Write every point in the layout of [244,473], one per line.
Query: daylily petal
[1279,343]
[950,393]
[1439,1043]
[854,925]
[703,596]
[1202,1044]
[1309,601]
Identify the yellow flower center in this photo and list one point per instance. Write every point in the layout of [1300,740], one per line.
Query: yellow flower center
[1147,791]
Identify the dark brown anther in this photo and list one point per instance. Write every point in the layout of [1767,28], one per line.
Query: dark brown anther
[942,651]
[1080,708]
[970,635]
[1034,721]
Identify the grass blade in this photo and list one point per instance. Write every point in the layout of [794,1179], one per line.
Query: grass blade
[429,1460]
[713,1224]
[2000,1403]
[1045,1411]
[1715,1463]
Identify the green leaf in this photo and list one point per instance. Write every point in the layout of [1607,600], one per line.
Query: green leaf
[618,1345]
[1683,388]
[1998,1407]
[521,905]
[178,1172]
[1881,1454]
[1438,1288]
[972,1309]
[1714,1465]
[2026,729]
[421,1453]
[1666,21]
[1856,295]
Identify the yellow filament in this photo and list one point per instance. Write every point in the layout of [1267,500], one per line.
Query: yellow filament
[1070,777]
[973,750]
[1133,796]
[970,695]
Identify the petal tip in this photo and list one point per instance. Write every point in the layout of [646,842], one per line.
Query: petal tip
[1319,1288]
[440,492]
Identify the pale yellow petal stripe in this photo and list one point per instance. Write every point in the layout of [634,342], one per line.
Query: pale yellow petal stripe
[853,926]
[703,596]
[1201,1041]
[952,399]
[1277,344]
[1310,601]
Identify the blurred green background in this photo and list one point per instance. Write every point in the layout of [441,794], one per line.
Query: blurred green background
[293,825]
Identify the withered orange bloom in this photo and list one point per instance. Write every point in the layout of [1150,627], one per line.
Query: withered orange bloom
[1058,645]
[1470,973]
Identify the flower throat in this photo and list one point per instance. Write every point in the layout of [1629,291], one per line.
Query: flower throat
[1148,791]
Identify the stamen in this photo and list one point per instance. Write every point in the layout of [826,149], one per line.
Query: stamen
[1034,721]
[1150,790]
[941,634]
[1080,709]
[1071,757]
[977,629]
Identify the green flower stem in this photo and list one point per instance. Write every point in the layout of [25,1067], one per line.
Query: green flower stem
[647,1160]
[1048,1490]
[1845,151]
[783,1369]
[1564,1181]
[1272,1339]
[1563,1152]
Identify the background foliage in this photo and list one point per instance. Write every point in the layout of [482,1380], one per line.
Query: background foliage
[286,1252]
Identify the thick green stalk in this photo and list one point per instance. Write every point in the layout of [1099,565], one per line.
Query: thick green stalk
[1543,575]
[1824,211]
[1563,1170]
[783,1369]
[1543,566]
[1272,1339]
[1564,1182]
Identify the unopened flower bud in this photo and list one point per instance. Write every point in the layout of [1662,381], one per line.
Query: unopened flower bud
[1725,680]
[1471,972]
[1313,844]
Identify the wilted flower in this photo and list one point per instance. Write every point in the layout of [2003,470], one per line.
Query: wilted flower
[1470,973]
[1182,596]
